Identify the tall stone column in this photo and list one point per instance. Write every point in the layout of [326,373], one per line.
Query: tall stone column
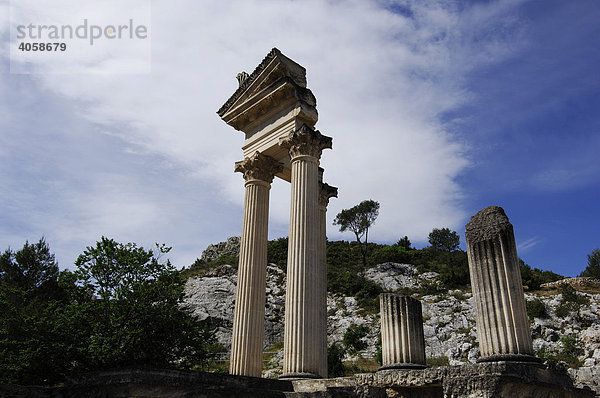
[402,339]
[249,315]
[304,329]
[326,192]
[502,322]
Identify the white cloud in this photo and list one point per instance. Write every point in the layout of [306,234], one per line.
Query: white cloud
[381,81]
[528,244]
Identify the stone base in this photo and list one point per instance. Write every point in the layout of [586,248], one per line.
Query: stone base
[154,383]
[482,380]
[401,366]
[298,376]
[511,358]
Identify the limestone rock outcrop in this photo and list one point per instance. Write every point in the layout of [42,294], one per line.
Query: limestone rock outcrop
[230,247]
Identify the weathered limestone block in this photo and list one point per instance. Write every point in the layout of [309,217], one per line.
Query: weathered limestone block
[402,340]
[501,316]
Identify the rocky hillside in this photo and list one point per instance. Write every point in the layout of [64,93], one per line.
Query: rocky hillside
[565,324]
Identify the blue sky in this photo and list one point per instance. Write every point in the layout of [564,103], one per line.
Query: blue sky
[437,110]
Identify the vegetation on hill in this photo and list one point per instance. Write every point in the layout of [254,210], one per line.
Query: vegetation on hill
[121,307]
[593,268]
[346,265]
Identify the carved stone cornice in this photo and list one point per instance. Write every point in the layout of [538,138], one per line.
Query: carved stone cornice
[277,66]
[305,142]
[259,167]
[326,191]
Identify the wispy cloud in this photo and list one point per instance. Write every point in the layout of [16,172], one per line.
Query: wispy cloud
[528,244]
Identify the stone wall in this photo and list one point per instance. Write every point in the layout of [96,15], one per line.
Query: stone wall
[484,380]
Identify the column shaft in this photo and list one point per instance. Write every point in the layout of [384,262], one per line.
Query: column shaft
[302,334]
[248,321]
[325,192]
[501,315]
[402,338]
[322,299]
[249,314]
[305,327]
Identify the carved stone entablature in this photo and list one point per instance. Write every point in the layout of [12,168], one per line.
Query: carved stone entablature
[487,224]
[326,192]
[305,142]
[259,167]
[278,83]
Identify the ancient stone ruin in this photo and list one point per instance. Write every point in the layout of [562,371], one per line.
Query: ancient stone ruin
[277,114]
[502,322]
[402,339]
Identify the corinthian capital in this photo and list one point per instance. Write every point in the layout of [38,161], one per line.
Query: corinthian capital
[305,142]
[259,167]
[326,191]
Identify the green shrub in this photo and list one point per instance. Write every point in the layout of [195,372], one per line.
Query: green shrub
[570,301]
[353,338]
[536,309]
[430,288]
[568,354]
[335,355]
[277,251]
[201,267]
[533,278]
[389,254]
[438,361]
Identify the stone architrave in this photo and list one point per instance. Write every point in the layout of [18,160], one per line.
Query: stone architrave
[402,338]
[501,315]
[326,192]
[304,330]
[248,320]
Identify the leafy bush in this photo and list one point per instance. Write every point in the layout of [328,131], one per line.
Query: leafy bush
[353,338]
[570,301]
[533,278]
[335,355]
[569,353]
[201,267]
[389,254]
[277,251]
[536,309]
[438,361]
[453,267]
[430,288]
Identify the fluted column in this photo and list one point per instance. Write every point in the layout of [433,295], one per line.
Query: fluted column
[402,339]
[501,315]
[303,333]
[326,192]
[249,316]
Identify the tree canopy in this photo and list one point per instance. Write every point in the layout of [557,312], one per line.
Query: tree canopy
[593,268]
[444,239]
[359,219]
